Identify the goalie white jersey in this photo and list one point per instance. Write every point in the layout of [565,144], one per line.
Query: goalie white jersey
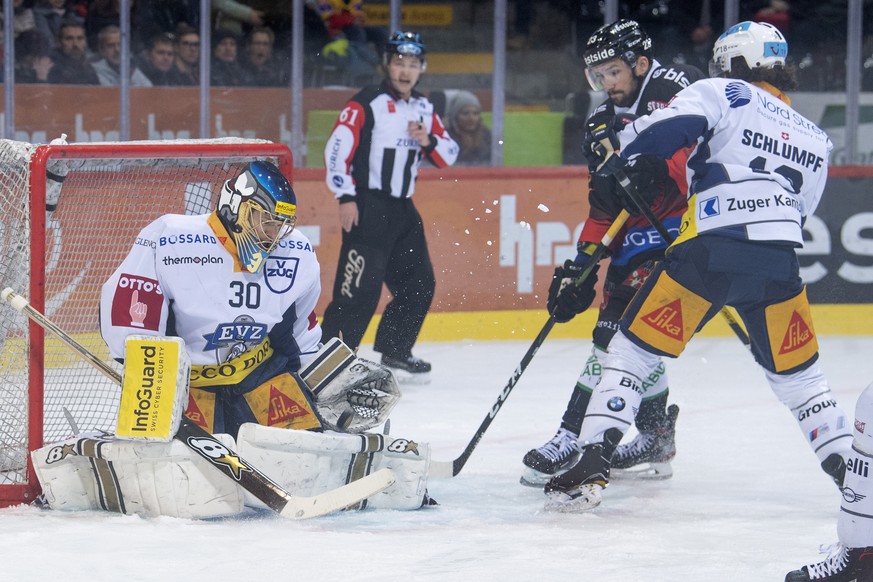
[182,278]
[759,168]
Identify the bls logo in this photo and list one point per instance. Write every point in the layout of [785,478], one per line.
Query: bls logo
[280,273]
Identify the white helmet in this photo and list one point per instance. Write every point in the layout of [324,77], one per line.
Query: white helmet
[760,44]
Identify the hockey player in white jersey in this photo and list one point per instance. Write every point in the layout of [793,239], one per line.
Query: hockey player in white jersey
[239,286]
[758,170]
[851,558]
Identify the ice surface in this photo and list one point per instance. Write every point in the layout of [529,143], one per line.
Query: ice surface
[747,502]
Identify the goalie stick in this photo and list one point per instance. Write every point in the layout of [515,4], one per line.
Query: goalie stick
[446,469]
[234,467]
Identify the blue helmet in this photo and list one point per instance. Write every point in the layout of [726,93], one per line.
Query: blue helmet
[408,44]
[259,208]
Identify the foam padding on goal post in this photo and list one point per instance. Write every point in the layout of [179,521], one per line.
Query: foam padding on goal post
[154,392]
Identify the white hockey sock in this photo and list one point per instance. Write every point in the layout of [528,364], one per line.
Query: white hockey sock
[616,400]
[824,424]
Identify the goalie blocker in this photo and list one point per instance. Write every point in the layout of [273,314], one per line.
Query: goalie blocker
[143,471]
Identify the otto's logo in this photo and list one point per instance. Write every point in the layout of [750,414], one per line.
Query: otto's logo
[280,273]
[137,302]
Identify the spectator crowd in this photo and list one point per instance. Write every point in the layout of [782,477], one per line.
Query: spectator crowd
[79,41]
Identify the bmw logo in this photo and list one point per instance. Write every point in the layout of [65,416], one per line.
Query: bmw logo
[616,404]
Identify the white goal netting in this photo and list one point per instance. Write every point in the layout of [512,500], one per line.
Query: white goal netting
[110,192]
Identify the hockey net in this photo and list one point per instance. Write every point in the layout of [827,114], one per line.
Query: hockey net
[59,258]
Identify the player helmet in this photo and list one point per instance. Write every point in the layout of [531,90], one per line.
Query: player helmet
[760,44]
[259,208]
[622,39]
[408,44]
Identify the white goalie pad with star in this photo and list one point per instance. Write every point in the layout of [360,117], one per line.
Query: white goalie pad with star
[149,479]
[351,394]
[308,463]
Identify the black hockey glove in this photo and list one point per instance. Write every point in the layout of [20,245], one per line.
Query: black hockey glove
[645,173]
[599,127]
[566,299]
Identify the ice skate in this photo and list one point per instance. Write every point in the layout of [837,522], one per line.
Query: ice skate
[408,369]
[579,488]
[648,456]
[553,458]
[841,565]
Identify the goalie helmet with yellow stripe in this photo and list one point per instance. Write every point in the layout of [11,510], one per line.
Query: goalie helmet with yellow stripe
[259,209]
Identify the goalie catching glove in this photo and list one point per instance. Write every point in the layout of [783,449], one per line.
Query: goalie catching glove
[567,297]
[351,394]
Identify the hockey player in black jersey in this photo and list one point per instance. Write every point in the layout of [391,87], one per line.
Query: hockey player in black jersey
[619,60]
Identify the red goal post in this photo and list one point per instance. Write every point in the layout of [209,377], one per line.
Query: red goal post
[59,256]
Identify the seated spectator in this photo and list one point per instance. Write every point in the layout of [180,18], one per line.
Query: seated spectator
[71,66]
[187,55]
[32,61]
[109,67]
[262,68]
[226,70]
[49,15]
[159,59]
[464,122]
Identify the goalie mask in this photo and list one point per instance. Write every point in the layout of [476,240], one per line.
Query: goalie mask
[761,45]
[258,207]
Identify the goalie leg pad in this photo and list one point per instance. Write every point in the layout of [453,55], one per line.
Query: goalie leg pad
[134,478]
[309,463]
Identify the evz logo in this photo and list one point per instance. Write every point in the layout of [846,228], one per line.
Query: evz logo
[280,273]
[240,336]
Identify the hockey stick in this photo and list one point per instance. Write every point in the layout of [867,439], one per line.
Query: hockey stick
[446,469]
[230,464]
[644,209]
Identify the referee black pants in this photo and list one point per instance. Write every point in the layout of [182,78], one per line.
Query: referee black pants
[387,246]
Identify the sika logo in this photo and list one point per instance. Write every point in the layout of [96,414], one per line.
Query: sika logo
[798,335]
[282,408]
[667,320]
